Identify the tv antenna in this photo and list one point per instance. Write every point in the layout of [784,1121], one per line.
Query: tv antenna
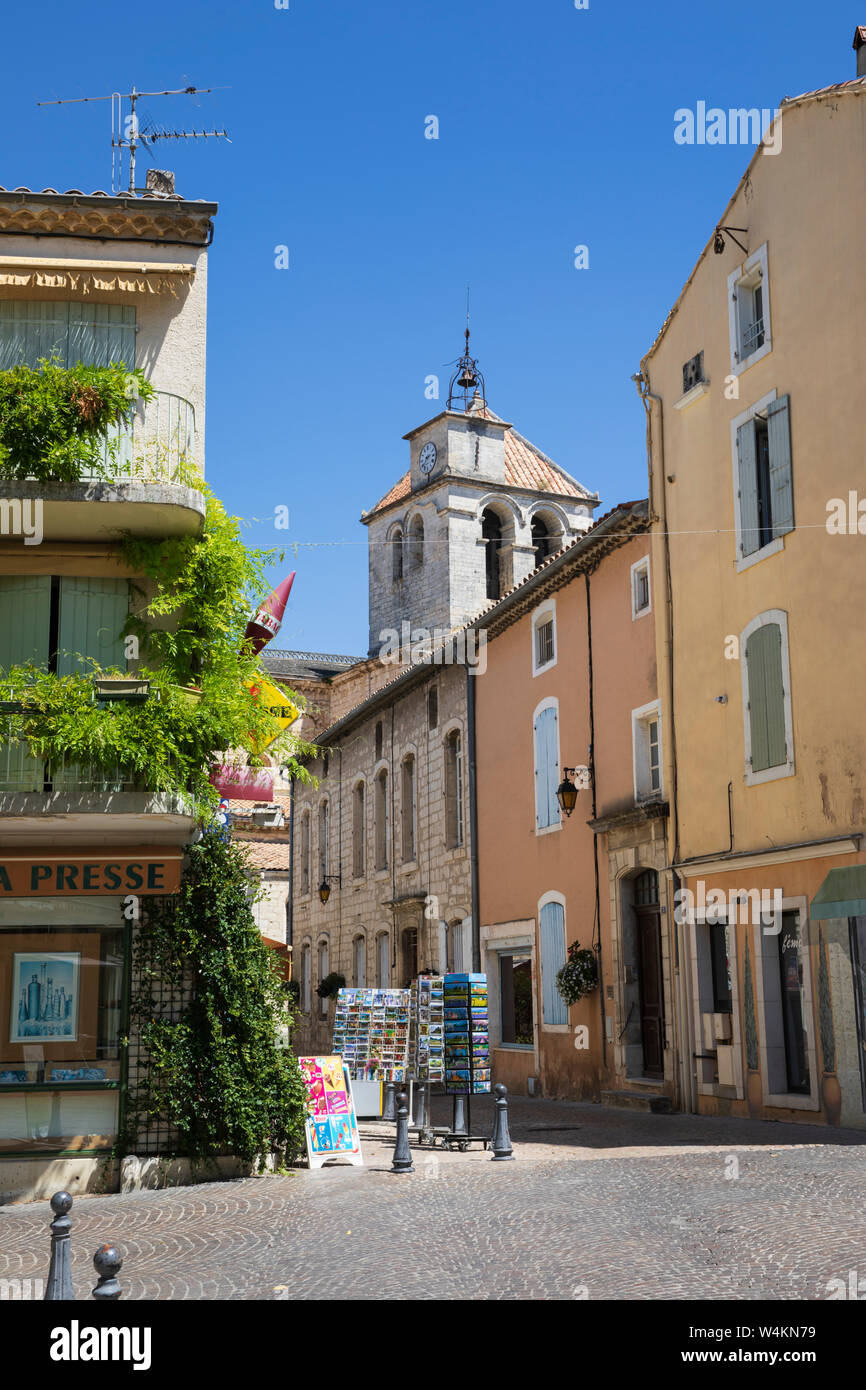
[127,134]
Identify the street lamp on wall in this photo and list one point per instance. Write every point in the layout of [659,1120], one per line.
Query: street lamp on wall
[324,889]
[566,792]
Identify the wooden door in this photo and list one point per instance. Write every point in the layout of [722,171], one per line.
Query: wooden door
[652,999]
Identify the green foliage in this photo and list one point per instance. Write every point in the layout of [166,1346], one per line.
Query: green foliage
[329,987]
[206,587]
[54,421]
[579,976]
[215,1074]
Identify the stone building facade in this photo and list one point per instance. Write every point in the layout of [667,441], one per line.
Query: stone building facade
[387,827]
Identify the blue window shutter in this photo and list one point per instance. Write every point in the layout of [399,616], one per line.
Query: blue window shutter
[781,481]
[747,464]
[552,925]
[546,805]
[766,698]
[92,613]
[25,615]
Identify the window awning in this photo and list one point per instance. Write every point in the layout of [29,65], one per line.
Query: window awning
[842,894]
[87,276]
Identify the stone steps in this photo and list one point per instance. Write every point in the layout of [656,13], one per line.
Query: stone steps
[648,1101]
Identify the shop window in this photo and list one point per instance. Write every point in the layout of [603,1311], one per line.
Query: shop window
[515,1000]
[61,1002]
[786,1007]
[720,967]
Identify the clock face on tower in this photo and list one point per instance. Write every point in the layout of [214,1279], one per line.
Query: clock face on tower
[427,457]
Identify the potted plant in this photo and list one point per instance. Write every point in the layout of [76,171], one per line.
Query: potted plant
[331,985]
[579,976]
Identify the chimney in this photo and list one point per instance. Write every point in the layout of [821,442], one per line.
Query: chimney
[859,46]
[160,181]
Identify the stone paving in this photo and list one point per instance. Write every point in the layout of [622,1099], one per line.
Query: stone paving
[599,1204]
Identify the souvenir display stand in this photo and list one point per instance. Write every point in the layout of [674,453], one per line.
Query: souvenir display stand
[331,1125]
[467,1053]
[371,1034]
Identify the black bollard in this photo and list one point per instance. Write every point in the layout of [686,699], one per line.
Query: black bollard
[388,1111]
[107,1264]
[402,1156]
[459,1116]
[59,1285]
[501,1141]
[422,1107]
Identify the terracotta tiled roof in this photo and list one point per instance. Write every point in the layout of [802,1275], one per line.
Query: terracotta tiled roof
[267,854]
[526,468]
[101,193]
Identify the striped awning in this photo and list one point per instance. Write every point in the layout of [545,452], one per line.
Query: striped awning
[842,894]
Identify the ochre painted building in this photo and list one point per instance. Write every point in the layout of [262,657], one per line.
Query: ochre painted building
[571,684]
[753,391]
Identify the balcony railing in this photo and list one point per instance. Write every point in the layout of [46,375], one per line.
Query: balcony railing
[155,443]
[20,773]
[753,337]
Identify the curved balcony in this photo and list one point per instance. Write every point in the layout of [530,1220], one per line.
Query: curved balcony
[151,464]
[72,800]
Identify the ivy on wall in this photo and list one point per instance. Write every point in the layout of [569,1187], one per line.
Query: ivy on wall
[215,1074]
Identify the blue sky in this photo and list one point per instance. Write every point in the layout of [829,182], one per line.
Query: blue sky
[555,129]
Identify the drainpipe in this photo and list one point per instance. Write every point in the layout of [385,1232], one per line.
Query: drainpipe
[473,819]
[594,811]
[682,969]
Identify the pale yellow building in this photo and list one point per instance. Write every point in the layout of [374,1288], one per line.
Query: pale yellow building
[753,392]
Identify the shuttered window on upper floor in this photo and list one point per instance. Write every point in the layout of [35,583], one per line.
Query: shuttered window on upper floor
[87,614]
[766,698]
[96,335]
[765,484]
[546,748]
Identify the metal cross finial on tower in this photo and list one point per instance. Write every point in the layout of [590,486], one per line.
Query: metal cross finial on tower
[467,377]
[126,133]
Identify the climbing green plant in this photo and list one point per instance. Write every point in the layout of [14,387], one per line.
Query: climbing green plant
[55,421]
[214,1072]
[200,707]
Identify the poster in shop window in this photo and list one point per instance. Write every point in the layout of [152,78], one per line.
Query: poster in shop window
[44,996]
[331,1124]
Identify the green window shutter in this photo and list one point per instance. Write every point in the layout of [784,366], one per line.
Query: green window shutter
[25,616]
[29,331]
[781,483]
[766,698]
[94,334]
[101,334]
[552,932]
[92,613]
[747,463]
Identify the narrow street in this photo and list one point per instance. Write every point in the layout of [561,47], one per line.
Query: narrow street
[599,1203]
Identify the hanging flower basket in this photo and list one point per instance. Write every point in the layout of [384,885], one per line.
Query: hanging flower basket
[579,976]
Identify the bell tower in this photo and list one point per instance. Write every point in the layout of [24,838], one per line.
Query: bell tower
[472,482]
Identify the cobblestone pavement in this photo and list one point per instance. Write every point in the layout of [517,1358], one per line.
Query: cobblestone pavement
[599,1203]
